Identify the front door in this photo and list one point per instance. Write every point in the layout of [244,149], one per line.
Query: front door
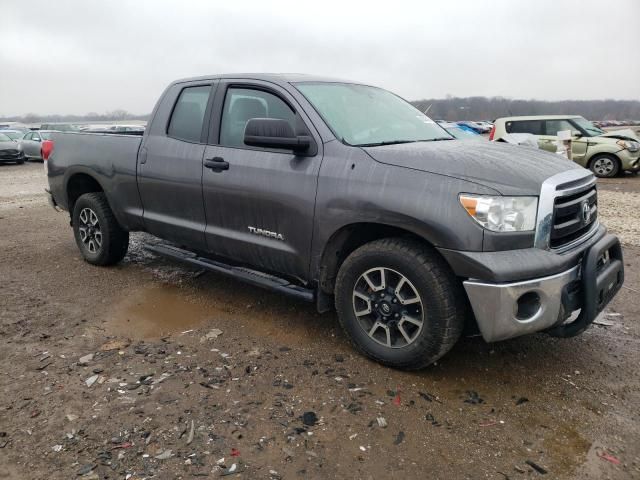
[170,167]
[259,202]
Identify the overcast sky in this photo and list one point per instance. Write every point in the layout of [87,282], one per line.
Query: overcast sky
[59,56]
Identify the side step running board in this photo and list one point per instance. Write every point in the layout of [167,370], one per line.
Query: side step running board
[253,277]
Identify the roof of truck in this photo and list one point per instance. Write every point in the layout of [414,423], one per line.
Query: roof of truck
[269,77]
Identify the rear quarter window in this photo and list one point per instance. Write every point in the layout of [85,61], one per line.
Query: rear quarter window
[534,127]
[188,114]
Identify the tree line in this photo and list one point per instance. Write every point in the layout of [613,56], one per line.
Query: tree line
[89,117]
[490,108]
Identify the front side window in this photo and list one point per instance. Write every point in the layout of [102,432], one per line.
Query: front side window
[28,136]
[533,127]
[555,126]
[361,115]
[243,104]
[188,114]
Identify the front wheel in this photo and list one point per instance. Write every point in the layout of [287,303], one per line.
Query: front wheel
[605,166]
[101,240]
[399,303]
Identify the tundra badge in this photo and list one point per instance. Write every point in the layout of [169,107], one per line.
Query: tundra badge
[266,233]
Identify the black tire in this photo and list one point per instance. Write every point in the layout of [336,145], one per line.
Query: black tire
[114,240]
[443,312]
[595,165]
[19,162]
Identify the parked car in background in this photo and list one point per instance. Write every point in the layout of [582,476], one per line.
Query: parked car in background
[460,132]
[605,153]
[10,150]
[32,144]
[60,127]
[475,126]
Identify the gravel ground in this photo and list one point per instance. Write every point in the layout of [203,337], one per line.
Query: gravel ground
[152,370]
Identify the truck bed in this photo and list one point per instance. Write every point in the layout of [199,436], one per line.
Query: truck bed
[111,159]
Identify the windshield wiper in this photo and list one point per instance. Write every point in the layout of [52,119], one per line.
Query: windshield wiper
[387,142]
[396,142]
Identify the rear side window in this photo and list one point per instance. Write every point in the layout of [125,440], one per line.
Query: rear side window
[533,127]
[188,114]
[241,105]
[554,126]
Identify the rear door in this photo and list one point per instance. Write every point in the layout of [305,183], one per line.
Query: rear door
[260,208]
[170,165]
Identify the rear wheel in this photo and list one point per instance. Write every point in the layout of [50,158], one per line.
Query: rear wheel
[605,166]
[399,303]
[101,240]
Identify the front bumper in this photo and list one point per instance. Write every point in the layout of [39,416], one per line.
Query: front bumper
[506,310]
[630,160]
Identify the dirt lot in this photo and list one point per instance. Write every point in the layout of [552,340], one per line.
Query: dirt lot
[189,374]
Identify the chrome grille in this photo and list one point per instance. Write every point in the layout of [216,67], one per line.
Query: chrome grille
[573,216]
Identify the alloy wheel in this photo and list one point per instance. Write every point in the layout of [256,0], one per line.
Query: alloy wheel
[388,307]
[89,230]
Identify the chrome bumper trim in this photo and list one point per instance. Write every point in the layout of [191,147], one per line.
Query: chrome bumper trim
[495,304]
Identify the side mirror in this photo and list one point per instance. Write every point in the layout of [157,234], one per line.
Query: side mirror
[576,134]
[274,133]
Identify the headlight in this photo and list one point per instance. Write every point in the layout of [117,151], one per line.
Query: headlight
[502,214]
[631,146]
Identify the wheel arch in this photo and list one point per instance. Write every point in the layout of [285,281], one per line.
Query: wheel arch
[347,239]
[79,183]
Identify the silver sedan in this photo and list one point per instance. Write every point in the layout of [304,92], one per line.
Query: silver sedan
[32,143]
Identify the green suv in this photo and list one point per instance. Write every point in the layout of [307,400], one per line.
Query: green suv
[605,153]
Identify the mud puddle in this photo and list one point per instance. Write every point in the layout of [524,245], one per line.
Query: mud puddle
[157,311]
[162,310]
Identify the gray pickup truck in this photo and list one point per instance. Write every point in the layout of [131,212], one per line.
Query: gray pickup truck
[344,194]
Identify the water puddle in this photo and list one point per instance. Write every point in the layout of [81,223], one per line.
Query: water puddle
[158,311]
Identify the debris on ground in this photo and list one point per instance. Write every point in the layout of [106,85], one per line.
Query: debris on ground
[213,334]
[91,380]
[522,400]
[85,359]
[399,438]
[473,398]
[382,422]
[309,418]
[608,458]
[536,467]
[164,455]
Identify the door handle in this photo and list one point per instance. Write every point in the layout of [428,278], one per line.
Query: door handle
[217,164]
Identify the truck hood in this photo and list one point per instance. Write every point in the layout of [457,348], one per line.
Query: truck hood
[508,169]
[626,134]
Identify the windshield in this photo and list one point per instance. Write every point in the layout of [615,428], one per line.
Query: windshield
[367,116]
[4,138]
[587,126]
[14,135]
